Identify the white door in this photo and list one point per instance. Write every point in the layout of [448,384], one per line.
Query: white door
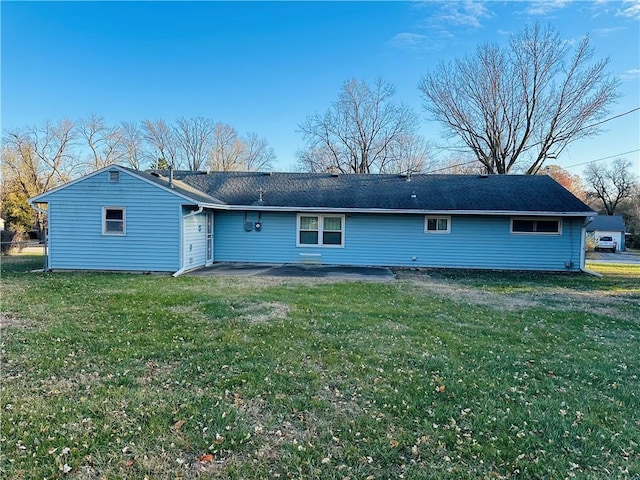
[209,256]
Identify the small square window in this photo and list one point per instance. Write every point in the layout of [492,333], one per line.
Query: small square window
[437,225]
[113,221]
[114,176]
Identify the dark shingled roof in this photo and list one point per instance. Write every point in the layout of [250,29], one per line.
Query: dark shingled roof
[510,193]
[606,223]
[179,187]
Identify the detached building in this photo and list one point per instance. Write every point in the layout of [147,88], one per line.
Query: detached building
[608,226]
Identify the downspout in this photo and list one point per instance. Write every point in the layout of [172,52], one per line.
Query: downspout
[184,268]
[45,246]
[583,250]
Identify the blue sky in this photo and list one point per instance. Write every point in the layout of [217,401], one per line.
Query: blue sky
[263,67]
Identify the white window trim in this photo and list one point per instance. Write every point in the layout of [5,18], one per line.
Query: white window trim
[321,218]
[536,219]
[117,176]
[436,218]
[104,221]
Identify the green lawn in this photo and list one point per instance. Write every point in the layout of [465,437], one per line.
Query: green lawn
[443,375]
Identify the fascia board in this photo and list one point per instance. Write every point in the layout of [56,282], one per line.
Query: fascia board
[391,210]
[40,198]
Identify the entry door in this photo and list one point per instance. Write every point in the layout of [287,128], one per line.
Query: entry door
[209,258]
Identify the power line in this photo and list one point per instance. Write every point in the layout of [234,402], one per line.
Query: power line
[603,158]
[611,118]
[576,165]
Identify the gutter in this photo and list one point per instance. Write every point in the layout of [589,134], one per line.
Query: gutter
[583,251]
[183,268]
[196,212]
[347,210]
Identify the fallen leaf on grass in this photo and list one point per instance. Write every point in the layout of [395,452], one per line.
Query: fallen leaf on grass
[178,425]
[207,457]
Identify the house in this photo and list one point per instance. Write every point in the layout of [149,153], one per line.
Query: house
[122,219]
[608,226]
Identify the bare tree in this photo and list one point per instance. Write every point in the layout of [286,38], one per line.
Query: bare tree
[257,155]
[362,131]
[610,186]
[408,155]
[226,153]
[516,106]
[459,163]
[130,147]
[194,136]
[103,141]
[314,160]
[38,158]
[162,140]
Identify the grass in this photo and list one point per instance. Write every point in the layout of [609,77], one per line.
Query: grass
[438,375]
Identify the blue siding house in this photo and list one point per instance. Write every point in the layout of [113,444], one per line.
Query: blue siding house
[174,221]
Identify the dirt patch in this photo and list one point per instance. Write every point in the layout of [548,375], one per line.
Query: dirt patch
[265,312]
[616,305]
[608,304]
[471,296]
[9,319]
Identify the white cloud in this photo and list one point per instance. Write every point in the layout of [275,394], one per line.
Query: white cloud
[632,74]
[630,9]
[467,13]
[409,40]
[603,32]
[545,7]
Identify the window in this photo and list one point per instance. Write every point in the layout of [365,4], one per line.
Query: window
[536,226]
[320,230]
[114,176]
[437,224]
[113,221]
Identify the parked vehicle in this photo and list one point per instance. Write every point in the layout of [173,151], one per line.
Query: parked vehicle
[606,243]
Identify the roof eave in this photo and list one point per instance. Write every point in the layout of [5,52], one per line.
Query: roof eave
[268,208]
[41,197]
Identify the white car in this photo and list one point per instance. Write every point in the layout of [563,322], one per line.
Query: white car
[606,243]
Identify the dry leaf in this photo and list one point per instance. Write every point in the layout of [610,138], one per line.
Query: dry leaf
[207,457]
[178,425]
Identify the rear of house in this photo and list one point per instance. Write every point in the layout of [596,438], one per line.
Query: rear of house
[121,219]
[403,239]
[116,219]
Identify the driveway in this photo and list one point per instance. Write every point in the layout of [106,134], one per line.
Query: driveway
[618,257]
[335,272]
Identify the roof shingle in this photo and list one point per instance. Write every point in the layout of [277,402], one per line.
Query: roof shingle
[506,193]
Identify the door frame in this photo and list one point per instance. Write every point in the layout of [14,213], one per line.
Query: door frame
[208,238]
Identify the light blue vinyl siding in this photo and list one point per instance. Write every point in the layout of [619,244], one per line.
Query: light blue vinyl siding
[153,217]
[195,238]
[394,240]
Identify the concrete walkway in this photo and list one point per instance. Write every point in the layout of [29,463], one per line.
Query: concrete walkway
[378,274]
